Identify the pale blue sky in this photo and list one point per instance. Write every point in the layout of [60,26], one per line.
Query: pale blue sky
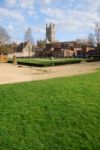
[74,18]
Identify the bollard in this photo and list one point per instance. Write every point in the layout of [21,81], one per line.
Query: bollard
[14,60]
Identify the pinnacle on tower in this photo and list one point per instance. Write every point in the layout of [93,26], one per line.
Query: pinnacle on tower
[50,32]
[46,25]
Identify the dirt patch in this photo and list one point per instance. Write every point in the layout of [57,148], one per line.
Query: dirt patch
[10,73]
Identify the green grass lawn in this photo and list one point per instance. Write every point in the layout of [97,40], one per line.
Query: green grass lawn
[55,114]
[47,61]
[37,60]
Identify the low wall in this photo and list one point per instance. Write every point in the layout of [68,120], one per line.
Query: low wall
[3,58]
[21,54]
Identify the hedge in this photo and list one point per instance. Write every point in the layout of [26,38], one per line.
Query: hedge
[48,63]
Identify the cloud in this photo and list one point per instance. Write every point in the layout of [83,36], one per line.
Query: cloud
[11,14]
[47,1]
[31,12]
[10,28]
[70,16]
[39,29]
[26,4]
[76,19]
[54,13]
[10,3]
[19,3]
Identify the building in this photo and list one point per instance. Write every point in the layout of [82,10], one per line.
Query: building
[50,33]
[77,48]
[58,50]
[24,50]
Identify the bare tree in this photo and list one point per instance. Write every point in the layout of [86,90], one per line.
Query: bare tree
[4,36]
[28,36]
[91,39]
[94,39]
[97,33]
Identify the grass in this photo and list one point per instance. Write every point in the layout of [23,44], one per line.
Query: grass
[45,59]
[55,114]
[47,62]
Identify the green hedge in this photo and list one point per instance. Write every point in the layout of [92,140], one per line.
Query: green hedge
[94,58]
[48,63]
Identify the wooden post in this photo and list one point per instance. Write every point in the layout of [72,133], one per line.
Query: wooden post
[14,60]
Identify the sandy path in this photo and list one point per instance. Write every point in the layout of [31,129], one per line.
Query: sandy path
[10,73]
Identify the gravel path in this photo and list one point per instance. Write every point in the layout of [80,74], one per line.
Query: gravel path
[10,73]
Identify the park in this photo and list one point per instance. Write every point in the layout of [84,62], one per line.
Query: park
[49,103]
[61,110]
[50,75]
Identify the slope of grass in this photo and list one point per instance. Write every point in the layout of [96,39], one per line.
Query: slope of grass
[56,114]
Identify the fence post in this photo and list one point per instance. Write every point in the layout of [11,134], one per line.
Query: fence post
[14,60]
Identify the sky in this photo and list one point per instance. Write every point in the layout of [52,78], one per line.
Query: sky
[74,19]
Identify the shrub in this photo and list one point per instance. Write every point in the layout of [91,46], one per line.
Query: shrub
[48,63]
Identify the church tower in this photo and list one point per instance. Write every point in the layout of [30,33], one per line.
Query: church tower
[50,32]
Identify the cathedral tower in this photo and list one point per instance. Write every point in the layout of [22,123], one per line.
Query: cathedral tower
[50,32]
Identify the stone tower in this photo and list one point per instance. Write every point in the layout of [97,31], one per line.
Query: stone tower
[50,32]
